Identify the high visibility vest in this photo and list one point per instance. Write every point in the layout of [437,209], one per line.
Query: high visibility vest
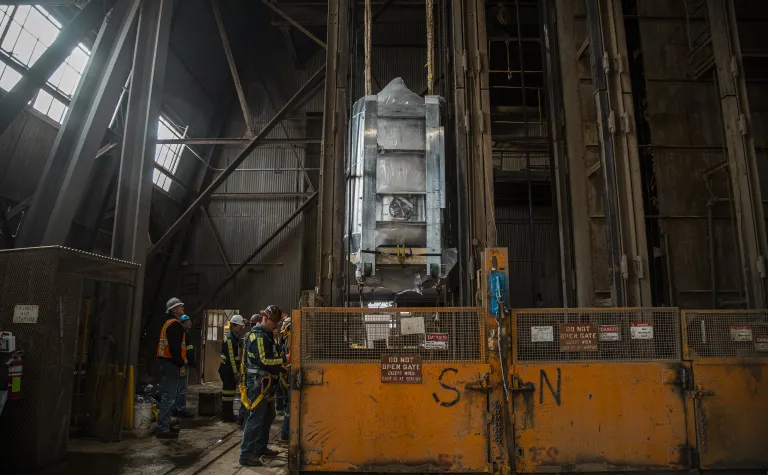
[163,349]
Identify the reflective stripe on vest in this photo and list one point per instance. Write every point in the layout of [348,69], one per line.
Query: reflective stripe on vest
[163,349]
[231,356]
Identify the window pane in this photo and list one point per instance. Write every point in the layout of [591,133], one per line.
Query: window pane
[24,46]
[43,102]
[57,111]
[9,79]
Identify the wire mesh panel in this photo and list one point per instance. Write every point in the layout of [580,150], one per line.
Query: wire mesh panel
[726,333]
[597,335]
[363,335]
[50,282]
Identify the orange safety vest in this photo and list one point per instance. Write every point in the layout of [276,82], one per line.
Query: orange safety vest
[163,349]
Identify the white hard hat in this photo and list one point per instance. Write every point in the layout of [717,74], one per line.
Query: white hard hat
[237,320]
[173,303]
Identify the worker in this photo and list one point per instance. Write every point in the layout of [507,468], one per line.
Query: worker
[172,356]
[229,369]
[180,409]
[242,413]
[262,370]
[284,343]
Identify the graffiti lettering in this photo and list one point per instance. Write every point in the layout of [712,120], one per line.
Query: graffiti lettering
[449,388]
[555,393]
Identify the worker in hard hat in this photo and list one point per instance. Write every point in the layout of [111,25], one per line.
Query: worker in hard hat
[180,409]
[172,357]
[229,369]
[263,367]
[242,413]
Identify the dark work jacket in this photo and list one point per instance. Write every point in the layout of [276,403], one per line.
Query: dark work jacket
[261,351]
[226,363]
[175,333]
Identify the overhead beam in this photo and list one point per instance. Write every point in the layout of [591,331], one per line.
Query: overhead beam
[45,3]
[14,102]
[233,68]
[294,23]
[299,163]
[221,178]
[255,253]
[216,238]
[69,162]
[238,141]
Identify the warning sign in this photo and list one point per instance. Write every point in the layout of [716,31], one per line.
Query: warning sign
[578,337]
[25,313]
[761,343]
[610,333]
[402,369]
[436,341]
[641,331]
[411,326]
[741,333]
[542,334]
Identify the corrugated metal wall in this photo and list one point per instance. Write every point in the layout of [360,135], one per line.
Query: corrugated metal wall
[288,265]
[278,274]
[515,233]
[23,148]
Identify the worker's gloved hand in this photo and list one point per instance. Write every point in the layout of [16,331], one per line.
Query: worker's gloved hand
[182,372]
[288,358]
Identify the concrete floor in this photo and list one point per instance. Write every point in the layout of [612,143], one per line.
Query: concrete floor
[205,446]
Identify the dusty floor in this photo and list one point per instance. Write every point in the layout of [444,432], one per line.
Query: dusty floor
[205,446]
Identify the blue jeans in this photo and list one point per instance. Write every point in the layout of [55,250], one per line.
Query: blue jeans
[168,388]
[181,392]
[285,432]
[258,421]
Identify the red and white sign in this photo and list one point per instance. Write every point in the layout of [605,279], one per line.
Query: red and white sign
[641,331]
[741,333]
[436,341]
[610,333]
[761,343]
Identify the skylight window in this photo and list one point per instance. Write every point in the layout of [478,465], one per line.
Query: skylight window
[167,155]
[25,33]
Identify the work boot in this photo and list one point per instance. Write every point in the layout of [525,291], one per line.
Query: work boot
[250,461]
[167,435]
[269,452]
[176,429]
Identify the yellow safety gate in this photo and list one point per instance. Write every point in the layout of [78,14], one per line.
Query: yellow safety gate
[599,390]
[729,352]
[389,390]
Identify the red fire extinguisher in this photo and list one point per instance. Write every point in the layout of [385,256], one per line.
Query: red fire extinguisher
[15,370]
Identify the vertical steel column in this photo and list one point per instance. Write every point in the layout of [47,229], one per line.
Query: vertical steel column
[435,188]
[607,157]
[558,150]
[629,178]
[466,260]
[577,195]
[71,158]
[15,100]
[130,237]
[330,269]
[742,160]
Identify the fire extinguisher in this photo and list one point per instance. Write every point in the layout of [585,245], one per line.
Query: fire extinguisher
[15,370]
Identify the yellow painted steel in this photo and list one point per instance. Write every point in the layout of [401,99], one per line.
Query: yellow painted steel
[130,391]
[350,421]
[731,402]
[600,417]
[730,388]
